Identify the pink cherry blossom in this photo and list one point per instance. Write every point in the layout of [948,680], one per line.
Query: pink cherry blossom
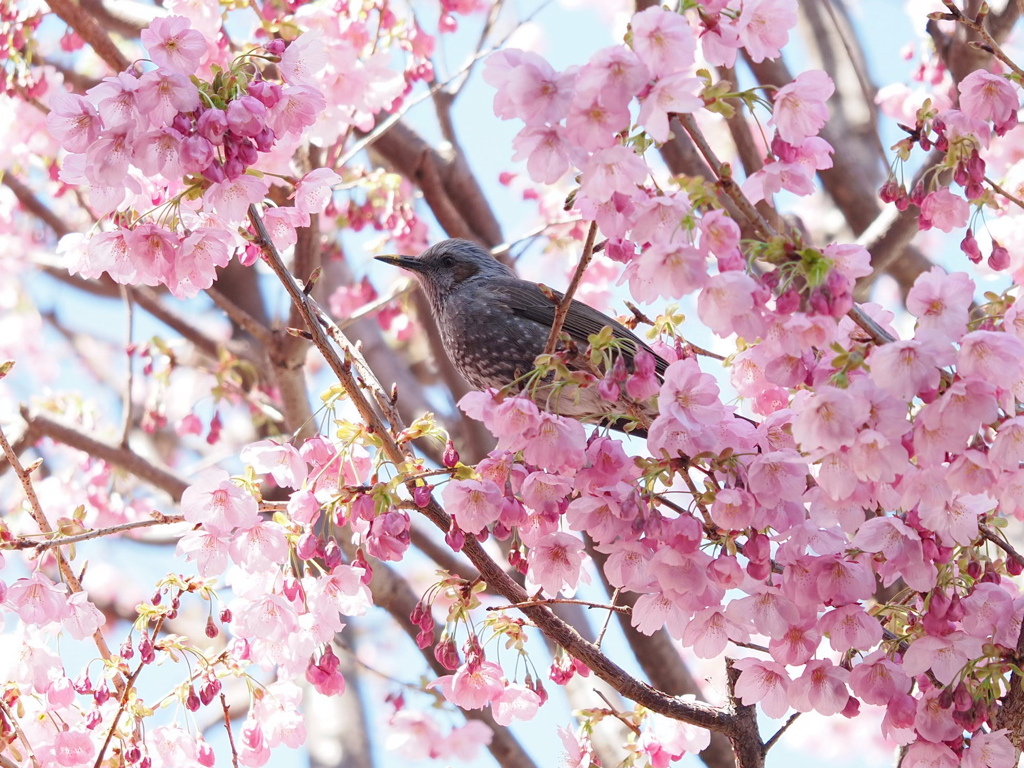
[593,124]
[764,27]
[516,702]
[538,94]
[906,368]
[663,40]
[280,460]
[37,600]
[197,260]
[74,747]
[944,210]
[821,687]
[313,191]
[800,110]
[877,679]
[924,754]
[765,682]
[990,750]
[675,94]
[988,97]
[941,302]
[472,687]
[945,656]
[231,198]
[303,59]
[615,73]
[73,121]
[556,562]
[558,444]
[665,740]
[991,355]
[173,44]
[475,504]
[259,547]
[849,627]
[218,504]
[829,418]
[162,95]
[209,550]
[546,151]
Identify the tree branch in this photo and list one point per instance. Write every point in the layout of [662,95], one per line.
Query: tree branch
[91,32]
[44,425]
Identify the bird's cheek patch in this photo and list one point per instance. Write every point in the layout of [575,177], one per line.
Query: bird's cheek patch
[464,271]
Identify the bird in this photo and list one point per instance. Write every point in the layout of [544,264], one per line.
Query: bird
[494,324]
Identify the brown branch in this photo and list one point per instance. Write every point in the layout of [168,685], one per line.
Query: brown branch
[91,32]
[241,317]
[611,608]
[663,666]
[986,43]
[724,178]
[227,727]
[33,205]
[44,425]
[62,541]
[746,745]
[1011,713]
[563,306]
[989,535]
[126,417]
[778,734]
[13,720]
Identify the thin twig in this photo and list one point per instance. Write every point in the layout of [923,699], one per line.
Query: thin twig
[877,333]
[129,308]
[376,305]
[117,715]
[990,535]
[775,736]
[989,45]
[725,180]
[608,617]
[227,727]
[624,609]
[563,306]
[21,734]
[1012,198]
[25,543]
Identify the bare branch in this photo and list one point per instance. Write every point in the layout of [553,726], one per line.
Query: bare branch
[90,30]
[563,306]
[44,425]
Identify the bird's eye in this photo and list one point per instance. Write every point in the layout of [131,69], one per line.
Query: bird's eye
[448,261]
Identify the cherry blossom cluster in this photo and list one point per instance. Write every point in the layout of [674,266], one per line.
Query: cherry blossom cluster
[846,542]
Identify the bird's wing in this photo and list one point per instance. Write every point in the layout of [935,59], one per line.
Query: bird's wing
[582,321]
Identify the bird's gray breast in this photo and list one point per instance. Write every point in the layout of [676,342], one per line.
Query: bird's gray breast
[487,342]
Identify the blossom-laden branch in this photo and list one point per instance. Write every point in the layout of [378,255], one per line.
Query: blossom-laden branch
[545,620]
[35,509]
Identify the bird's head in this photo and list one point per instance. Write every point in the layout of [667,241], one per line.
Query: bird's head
[446,265]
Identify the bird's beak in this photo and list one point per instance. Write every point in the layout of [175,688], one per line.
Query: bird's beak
[405,262]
